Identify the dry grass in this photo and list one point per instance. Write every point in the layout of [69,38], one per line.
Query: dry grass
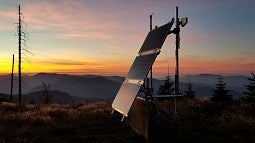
[203,121]
[90,123]
[199,121]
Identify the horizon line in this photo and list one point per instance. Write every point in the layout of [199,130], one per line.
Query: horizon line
[123,75]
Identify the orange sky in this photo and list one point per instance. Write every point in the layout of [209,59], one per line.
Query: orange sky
[104,37]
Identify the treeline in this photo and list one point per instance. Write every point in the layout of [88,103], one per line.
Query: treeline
[220,94]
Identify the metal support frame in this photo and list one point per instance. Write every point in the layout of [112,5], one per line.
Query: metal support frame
[177,42]
[151,84]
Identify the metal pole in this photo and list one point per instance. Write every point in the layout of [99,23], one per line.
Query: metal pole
[19,33]
[151,85]
[177,42]
[177,90]
[150,22]
[12,77]
[150,134]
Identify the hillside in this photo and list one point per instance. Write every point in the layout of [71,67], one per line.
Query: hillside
[55,97]
[57,123]
[106,87]
[94,87]
[199,121]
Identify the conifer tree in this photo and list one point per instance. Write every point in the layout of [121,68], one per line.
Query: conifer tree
[167,88]
[189,93]
[250,93]
[220,94]
[46,93]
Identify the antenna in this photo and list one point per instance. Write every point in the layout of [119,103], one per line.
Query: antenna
[12,77]
[151,85]
[151,21]
[176,31]
[177,42]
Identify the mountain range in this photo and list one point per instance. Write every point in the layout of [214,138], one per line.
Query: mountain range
[85,87]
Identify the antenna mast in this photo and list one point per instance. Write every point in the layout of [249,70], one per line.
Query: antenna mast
[151,85]
[176,31]
[151,21]
[177,42]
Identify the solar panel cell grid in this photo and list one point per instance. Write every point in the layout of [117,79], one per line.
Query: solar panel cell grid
[125,97]
[156,37]
[141,66]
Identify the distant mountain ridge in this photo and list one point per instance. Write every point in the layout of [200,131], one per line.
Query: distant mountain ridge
[84,86]
[106,87]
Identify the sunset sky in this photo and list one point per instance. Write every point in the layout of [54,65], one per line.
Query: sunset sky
[104,36]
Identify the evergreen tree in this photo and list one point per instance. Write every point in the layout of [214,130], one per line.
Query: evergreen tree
[220,94]
[167,88]
[250,93]
[46,93]
[189,93]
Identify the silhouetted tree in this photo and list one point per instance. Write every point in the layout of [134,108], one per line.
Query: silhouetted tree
[46,93]
[189,93]
[250,93]
[220,94]
[22,50]
[167,88]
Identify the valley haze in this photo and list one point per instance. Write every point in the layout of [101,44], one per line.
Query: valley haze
[78,88]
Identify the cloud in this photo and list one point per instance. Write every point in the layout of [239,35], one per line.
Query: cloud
[200,64]
[61,62]
[102,20]
[7,19]
[70,19]
[231,65]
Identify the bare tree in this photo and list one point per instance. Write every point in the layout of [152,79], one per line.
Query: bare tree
[22,40]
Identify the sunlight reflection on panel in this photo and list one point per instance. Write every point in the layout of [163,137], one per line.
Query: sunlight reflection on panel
[125,97]
[141,67]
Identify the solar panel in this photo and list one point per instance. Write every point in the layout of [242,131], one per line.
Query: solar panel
[141,66]
[125,97]
[156,37]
